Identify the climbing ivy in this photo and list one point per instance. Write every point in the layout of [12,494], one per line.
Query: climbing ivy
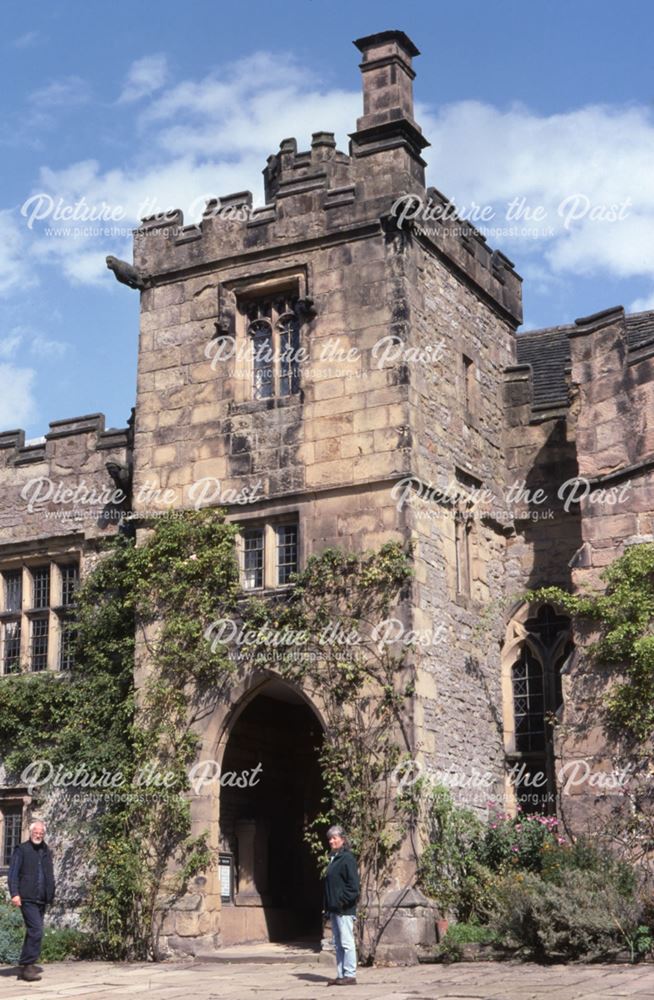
[147,667]
[624,617]
[333,620]
[150,602]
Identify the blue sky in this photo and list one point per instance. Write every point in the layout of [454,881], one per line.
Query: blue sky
[131,103]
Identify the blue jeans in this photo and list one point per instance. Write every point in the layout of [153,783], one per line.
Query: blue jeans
[33,919]
[346,953]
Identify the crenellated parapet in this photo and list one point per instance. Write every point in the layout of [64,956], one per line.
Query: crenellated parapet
[89,432]
[321,167]
[75,477]
[324,196]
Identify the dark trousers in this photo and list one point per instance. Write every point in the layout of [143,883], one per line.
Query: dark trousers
[33,918]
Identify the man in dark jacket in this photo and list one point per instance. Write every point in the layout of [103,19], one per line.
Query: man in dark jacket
[32,887]
[341,896]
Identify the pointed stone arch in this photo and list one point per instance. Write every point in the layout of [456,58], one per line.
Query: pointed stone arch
[537,649]
[273,731]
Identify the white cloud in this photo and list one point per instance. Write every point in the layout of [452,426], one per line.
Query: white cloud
[65,93]
[250,108]
[205,138]
[643,304]
[10,344]
[36,343]
[14,271]
[27,40]
[589,170]
[44,348]
[144,77]
[230,128]
[17,402]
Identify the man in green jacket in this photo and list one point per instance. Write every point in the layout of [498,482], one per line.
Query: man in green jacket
[341,895]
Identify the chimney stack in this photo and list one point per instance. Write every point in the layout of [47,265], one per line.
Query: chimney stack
[387,122]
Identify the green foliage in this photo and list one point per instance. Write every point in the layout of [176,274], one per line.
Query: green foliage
[528,886]
[587,916]
[523,841]
[60,943]
[624,614]
[452,948]
[82,718]
[161,594]
[183,575]
[470,933]
[335,606]
[451,870]
[12,931]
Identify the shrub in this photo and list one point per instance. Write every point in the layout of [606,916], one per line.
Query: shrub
[555,899]
[593,858]
[450,869]
[458,935]
[521,841]
[60,943]
[586,916]
[12,931]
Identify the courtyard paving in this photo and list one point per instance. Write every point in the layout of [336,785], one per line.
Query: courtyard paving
[306,980]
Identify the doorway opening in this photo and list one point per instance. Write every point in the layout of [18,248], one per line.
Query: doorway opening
[271,790]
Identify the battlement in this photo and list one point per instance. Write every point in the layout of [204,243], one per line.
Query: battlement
[324,195]
[14,451]
[290,172]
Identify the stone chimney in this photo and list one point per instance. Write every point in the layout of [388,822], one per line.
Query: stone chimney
[387,129]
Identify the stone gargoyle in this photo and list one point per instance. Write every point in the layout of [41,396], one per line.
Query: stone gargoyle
[127,274]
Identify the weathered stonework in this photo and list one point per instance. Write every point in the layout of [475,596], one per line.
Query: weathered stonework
[415,396]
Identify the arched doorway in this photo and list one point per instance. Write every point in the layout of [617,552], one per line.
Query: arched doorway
[275,892]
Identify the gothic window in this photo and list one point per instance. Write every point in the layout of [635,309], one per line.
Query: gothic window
[273,330]
[528,705]
[536,689]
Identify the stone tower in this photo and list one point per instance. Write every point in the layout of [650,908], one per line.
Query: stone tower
[383,415]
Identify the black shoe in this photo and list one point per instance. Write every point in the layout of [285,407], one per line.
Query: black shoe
[346,981]
[29,973]
[334,982]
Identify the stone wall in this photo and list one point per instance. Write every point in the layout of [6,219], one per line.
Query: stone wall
[59,486]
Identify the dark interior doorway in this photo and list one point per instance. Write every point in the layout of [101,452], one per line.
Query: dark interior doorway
[277,737]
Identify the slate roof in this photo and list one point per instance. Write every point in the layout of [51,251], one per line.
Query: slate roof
[548,353]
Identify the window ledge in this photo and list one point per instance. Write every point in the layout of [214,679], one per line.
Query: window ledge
[261,405]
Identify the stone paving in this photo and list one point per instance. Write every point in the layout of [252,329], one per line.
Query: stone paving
[306,980]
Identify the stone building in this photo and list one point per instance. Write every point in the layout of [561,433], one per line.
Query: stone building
[394,400]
